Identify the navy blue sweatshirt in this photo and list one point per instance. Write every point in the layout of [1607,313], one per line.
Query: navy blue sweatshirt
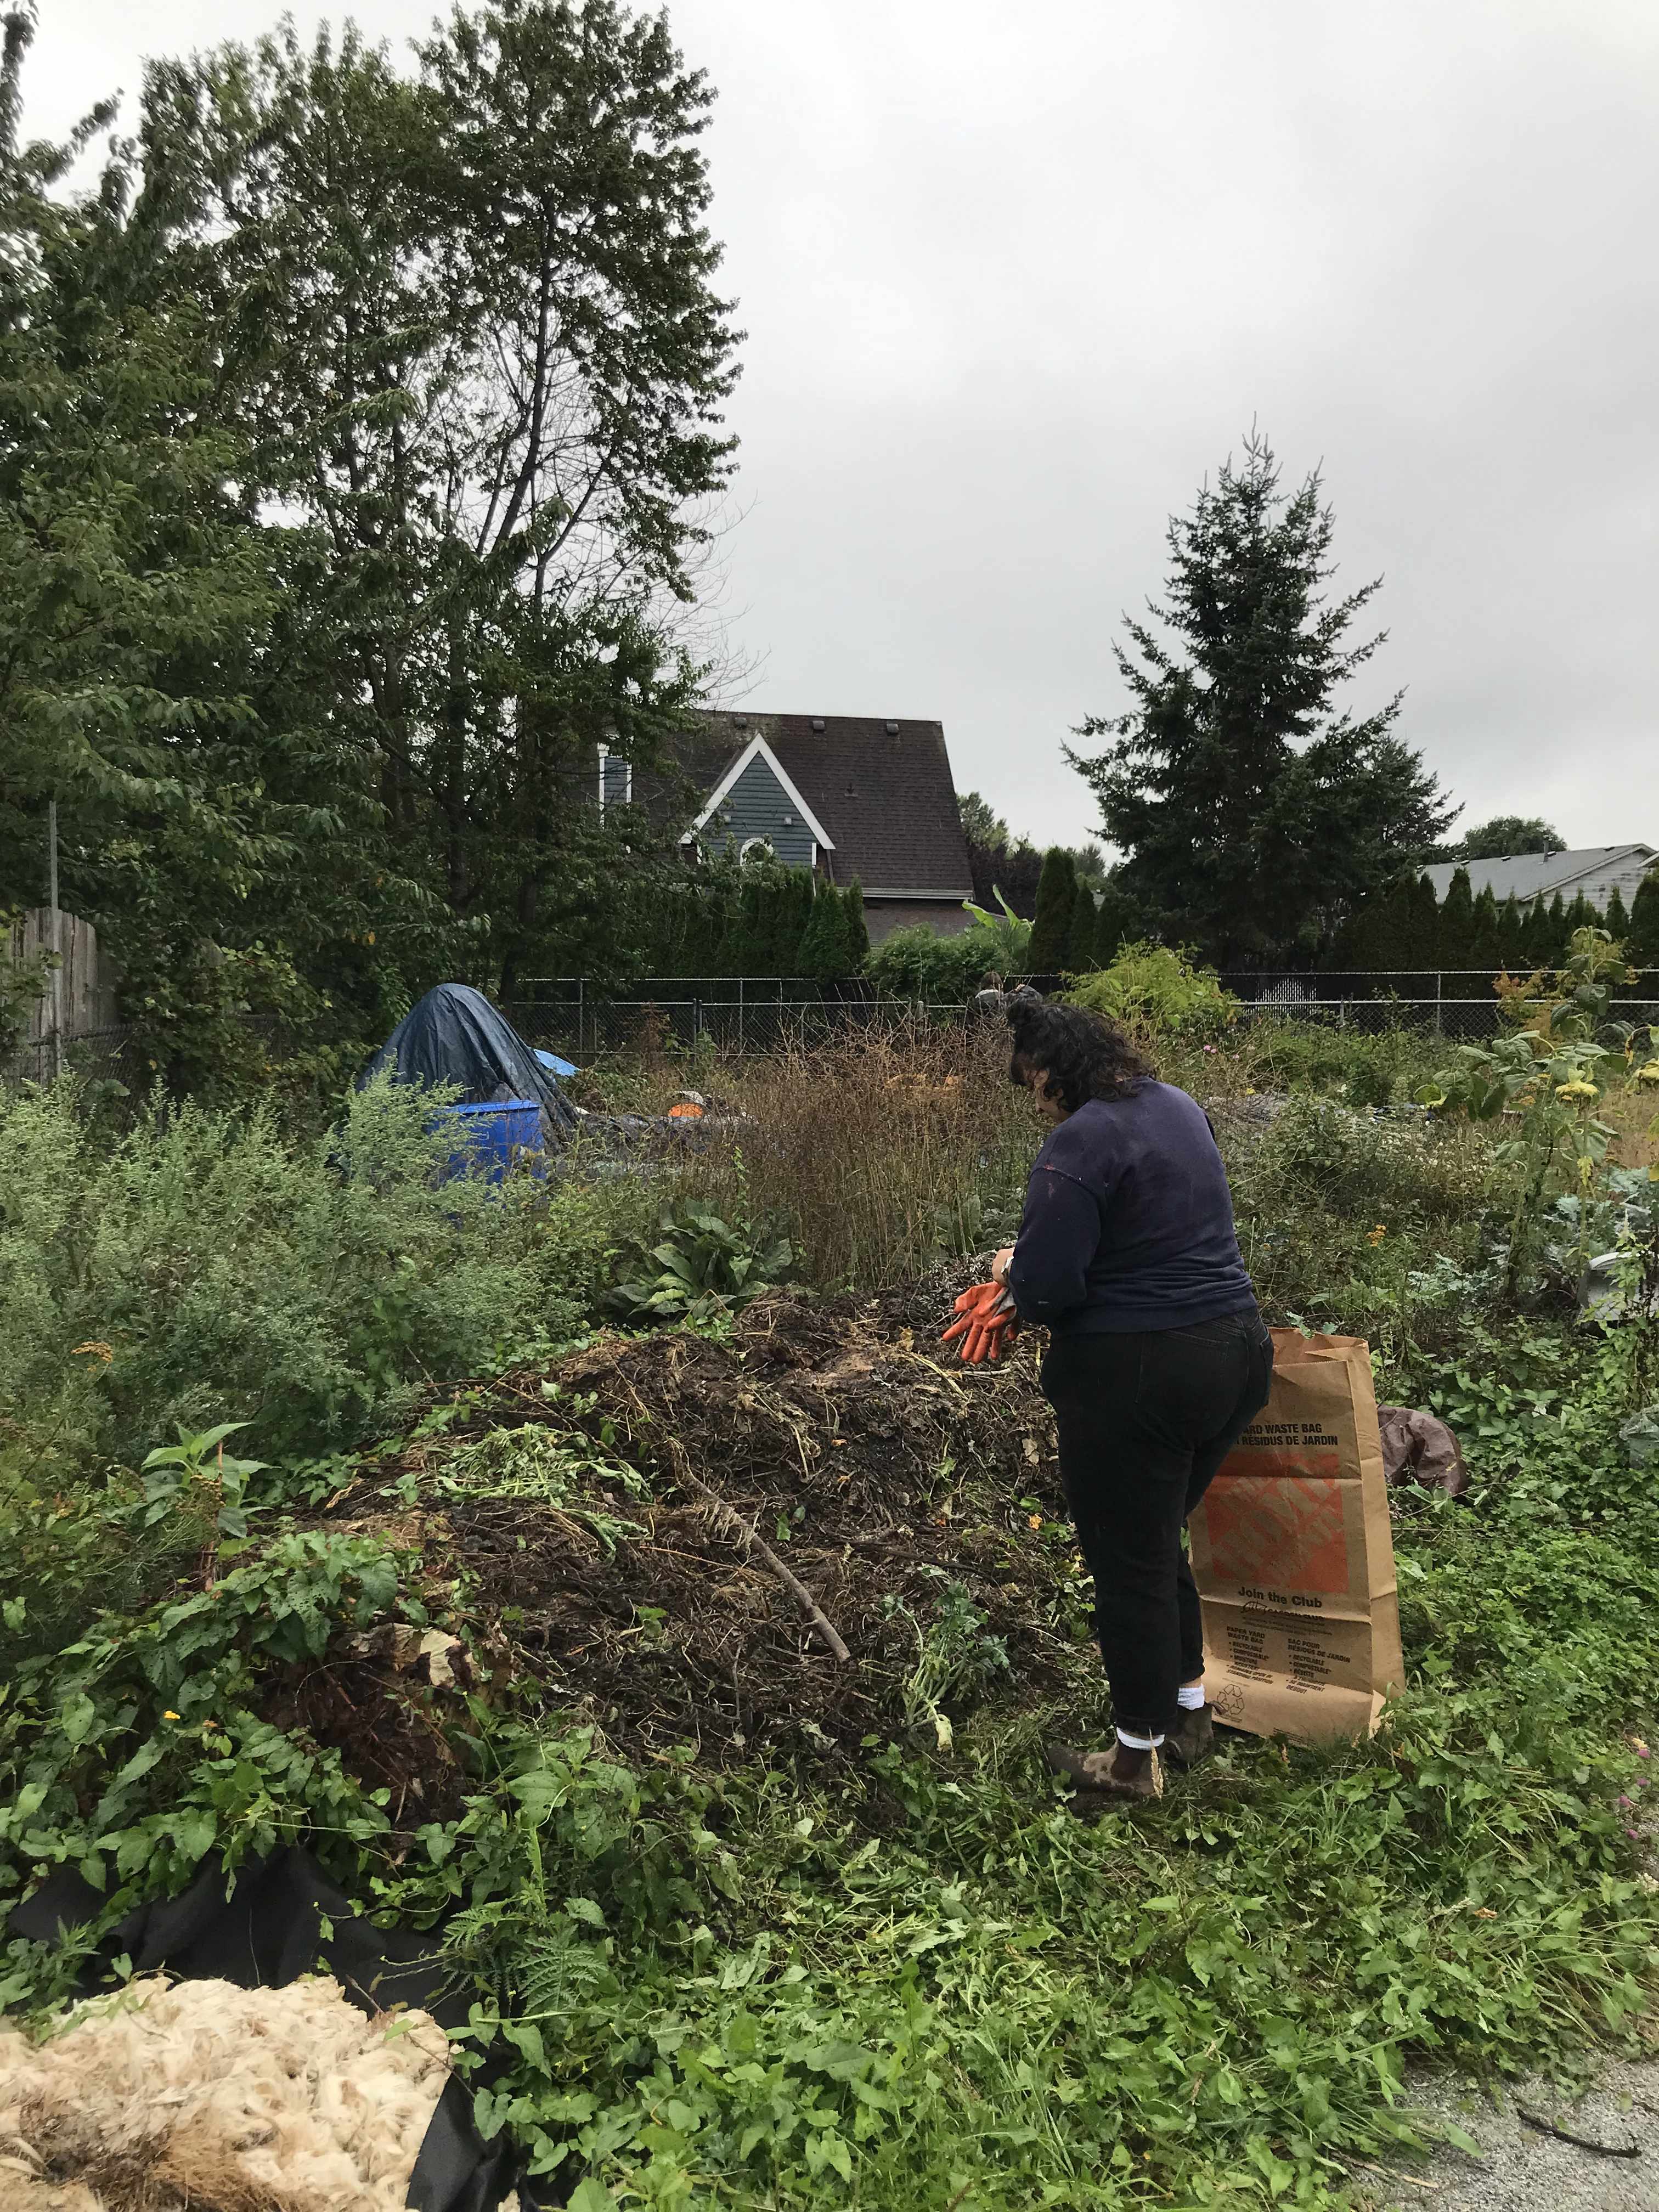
[1128,1221]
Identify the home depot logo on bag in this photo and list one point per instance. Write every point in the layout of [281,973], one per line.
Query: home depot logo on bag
[1292,1556]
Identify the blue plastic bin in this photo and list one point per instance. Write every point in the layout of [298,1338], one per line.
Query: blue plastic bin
[493,1135]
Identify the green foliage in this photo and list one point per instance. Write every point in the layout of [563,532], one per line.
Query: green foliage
[1084,932]
[1056,898]
[823,941]
[201,1463]
[1541,1077]
[918,963]
[138,1750]
[1642,942]
[855,934]
[206,1267]
[1158,990]
[696,1265]
[1507,834]
[1363,1069]
[1252,814]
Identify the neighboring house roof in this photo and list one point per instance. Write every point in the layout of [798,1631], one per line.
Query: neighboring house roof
[1592,869]
[879,793]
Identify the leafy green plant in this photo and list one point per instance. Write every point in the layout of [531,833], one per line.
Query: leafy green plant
[1158,990]
[699,1265]
[201,1462]
[137,1750]
[919,964]
[1543,1084]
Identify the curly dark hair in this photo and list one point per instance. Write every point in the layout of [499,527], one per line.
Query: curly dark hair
[1084,1056]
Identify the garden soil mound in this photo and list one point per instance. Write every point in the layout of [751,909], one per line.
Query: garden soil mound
[201,2097]
[915,1499]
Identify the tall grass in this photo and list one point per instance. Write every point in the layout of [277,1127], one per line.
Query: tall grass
[881,1150]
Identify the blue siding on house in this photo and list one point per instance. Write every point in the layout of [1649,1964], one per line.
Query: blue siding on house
[618,774]
[757,806]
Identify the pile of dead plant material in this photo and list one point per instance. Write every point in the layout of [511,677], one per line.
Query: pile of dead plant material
[201,2097]
[818,1530]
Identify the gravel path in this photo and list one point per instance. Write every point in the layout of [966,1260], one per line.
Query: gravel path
[1524,2170]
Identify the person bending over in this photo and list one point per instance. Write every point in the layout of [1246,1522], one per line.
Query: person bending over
[1157,1359]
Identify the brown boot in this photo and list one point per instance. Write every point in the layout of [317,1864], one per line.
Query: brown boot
[1119,1772]
[1192,1738]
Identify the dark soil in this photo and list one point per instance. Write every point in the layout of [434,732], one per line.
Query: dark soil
[900,1488]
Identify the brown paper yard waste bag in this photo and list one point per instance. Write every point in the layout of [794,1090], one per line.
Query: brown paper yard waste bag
[1293,1557]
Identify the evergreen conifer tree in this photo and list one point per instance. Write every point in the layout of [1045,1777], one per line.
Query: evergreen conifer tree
[1254,811]
[1051,925]
[1642,944]
[1615,921]
[1554,933]
[1511,949]
[1081,938]
[1581,915]
[1534,934]
[855,931]
[823,941]
[1457,931]
[1117,922]
[1485,936]
[794,912]
[1425,926]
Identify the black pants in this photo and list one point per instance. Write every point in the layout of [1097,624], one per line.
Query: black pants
[1144,1420]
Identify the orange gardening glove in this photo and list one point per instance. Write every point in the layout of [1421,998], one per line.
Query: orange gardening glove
[988,1321]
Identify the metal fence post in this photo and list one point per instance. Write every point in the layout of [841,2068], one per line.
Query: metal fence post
[1439,990]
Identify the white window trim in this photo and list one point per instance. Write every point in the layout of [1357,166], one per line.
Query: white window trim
[750,843]
[627,799]
[757,747]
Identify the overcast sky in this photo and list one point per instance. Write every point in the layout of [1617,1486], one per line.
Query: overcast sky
[1015,280]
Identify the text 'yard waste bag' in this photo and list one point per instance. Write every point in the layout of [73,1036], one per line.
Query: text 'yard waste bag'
[1293,1558]
[454,1035]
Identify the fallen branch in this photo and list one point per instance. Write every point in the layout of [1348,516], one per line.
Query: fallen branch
[1580,2142]
[752,1539]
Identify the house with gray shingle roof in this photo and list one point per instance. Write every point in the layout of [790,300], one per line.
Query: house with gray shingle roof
[1595,869]
[849,796]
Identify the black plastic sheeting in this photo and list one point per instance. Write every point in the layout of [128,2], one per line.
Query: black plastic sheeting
[455,1036]
[269,1932]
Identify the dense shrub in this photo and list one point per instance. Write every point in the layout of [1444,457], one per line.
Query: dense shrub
[202,1268]
[944,971]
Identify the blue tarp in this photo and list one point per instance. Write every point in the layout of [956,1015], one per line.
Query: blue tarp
[454,1035]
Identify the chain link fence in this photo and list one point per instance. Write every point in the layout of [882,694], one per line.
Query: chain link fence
[735,1018]
[1456,1003]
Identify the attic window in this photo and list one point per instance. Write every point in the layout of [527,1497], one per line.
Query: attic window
[817,721]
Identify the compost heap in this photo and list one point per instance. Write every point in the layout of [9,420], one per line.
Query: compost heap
[599,1511]
[202,2095]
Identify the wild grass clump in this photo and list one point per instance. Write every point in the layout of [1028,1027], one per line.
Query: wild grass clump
[880,1150]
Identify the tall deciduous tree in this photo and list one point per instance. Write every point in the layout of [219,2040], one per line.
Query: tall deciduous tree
[471,330]
[1510,833]
[1252,812]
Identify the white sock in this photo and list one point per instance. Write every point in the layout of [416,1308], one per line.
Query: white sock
[1138,1742]
[1191,1695]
